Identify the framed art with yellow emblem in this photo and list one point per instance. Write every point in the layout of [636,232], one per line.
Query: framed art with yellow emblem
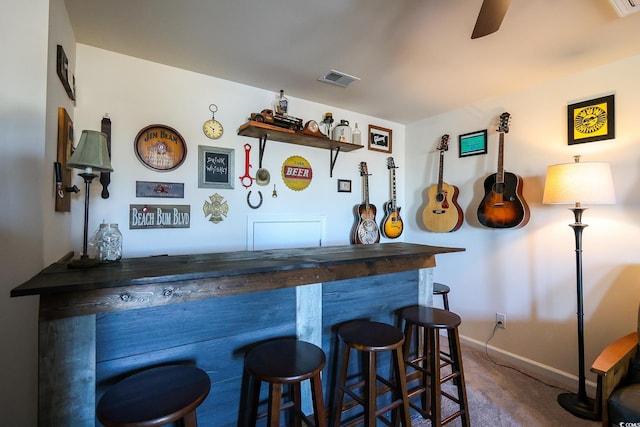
[592,120]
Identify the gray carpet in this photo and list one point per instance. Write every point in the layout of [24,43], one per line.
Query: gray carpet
[502,397]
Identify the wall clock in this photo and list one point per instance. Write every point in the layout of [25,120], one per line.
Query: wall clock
[592,120]
[213,128]
[160,147]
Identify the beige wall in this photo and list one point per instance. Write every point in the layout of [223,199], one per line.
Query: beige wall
[529,273]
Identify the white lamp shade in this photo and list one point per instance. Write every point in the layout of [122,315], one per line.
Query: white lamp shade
[588,182]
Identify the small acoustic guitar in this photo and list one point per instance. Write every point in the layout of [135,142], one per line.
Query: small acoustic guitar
[365,230]
[442,213]
[391,224]
[503,205]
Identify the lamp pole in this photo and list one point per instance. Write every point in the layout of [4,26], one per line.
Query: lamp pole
[579,404]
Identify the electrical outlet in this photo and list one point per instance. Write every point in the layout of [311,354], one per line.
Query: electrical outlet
[501,320]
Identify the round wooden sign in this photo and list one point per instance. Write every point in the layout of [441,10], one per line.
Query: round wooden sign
[160,148]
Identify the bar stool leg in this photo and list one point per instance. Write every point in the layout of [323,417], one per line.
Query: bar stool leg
[319,415]
[400,374]
[340,392]
[190,420]
[434,381]
[462,391]
[370,416]
[275,397]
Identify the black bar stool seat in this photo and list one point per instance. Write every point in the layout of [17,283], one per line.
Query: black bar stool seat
[286,361]
[443,290]
[424,363]
[372,338]
[155,397]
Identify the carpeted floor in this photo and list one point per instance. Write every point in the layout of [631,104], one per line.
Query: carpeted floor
[503,397]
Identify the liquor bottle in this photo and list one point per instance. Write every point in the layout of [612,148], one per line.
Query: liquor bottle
[356,136]
[281,104]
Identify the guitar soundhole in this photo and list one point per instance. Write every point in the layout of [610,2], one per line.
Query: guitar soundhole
[439,197]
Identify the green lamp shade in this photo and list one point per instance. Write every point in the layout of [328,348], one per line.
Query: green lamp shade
[91,152]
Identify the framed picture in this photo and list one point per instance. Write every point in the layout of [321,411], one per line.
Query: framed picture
[63,154]
[592,120]
[473,143]
[380,139]
[344,186]
[215,167]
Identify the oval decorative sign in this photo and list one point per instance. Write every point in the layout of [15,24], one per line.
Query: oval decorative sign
[296,173]
[160,148]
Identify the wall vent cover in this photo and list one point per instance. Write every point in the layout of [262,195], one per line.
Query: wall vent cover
[338,78]
[625,7]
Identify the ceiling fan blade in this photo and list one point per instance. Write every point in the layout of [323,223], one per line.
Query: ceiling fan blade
[490,17]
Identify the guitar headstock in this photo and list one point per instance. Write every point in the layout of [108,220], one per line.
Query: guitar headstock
[363,169]
[503,127]
[444,143]
[390,163]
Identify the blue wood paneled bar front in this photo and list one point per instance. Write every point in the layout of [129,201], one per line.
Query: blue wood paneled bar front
[99,325]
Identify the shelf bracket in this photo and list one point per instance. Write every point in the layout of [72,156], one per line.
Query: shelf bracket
[333,160]
[261,146]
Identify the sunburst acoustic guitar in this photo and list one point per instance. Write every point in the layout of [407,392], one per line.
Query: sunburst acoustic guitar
[442,213]
[503,205]
[365,229]
[392,225]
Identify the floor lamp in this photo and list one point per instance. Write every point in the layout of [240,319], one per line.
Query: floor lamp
[579,183]
[91,154]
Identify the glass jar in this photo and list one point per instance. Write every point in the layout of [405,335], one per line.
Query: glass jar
[109,243]
[356,136]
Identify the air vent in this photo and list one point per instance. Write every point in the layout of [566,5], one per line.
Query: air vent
[338,78]
[625,7]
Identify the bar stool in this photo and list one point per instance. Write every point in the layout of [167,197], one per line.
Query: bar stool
[155,397]
[425,367]
[372,338]
[442,289]
[286,361]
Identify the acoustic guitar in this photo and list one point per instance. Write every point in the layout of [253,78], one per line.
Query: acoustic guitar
[365,230]
[442,213]
[503,205]
[391,224]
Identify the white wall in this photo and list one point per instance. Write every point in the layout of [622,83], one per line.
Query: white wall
[23,31]
[137,93]
[529,273]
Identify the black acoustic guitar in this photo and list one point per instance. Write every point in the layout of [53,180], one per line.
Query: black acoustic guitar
[392,225]
[503,205]
[365,230]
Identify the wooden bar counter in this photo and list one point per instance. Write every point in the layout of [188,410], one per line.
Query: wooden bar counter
[98,325]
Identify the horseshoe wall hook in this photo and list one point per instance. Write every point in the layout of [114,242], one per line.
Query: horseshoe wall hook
[249,200]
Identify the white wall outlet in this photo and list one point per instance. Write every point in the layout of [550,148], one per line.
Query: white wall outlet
[501,320]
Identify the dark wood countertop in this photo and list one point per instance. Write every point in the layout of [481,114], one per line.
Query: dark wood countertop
[128,283]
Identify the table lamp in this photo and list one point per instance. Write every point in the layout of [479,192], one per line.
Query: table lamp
[588,183]
[90,155]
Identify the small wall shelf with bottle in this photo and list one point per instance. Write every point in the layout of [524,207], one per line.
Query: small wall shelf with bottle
[263,131]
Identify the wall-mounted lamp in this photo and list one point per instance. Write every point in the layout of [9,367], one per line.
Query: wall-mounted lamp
[91,154]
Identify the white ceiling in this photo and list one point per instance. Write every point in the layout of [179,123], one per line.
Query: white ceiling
[415,58]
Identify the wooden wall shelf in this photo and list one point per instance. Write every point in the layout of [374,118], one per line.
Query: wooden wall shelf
[265,131]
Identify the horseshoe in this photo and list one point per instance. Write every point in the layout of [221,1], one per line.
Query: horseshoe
[247,179]
[249,200]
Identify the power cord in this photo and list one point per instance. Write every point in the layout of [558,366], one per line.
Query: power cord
[486,352]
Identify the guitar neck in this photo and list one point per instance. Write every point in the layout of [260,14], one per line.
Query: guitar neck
[440,172]
[393,189]
[500,173]
[365,185]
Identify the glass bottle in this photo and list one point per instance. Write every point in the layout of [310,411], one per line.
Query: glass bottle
[281,104]
[109,243]
[356,136]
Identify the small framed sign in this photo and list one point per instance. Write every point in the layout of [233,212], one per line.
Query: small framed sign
[344,186]
[592,120]
[473,143]
[380,139]
[215,167]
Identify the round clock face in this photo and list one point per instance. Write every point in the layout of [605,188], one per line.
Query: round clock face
[213,129]
[590,119]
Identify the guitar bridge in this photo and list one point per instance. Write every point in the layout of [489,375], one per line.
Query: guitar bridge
[438,211]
